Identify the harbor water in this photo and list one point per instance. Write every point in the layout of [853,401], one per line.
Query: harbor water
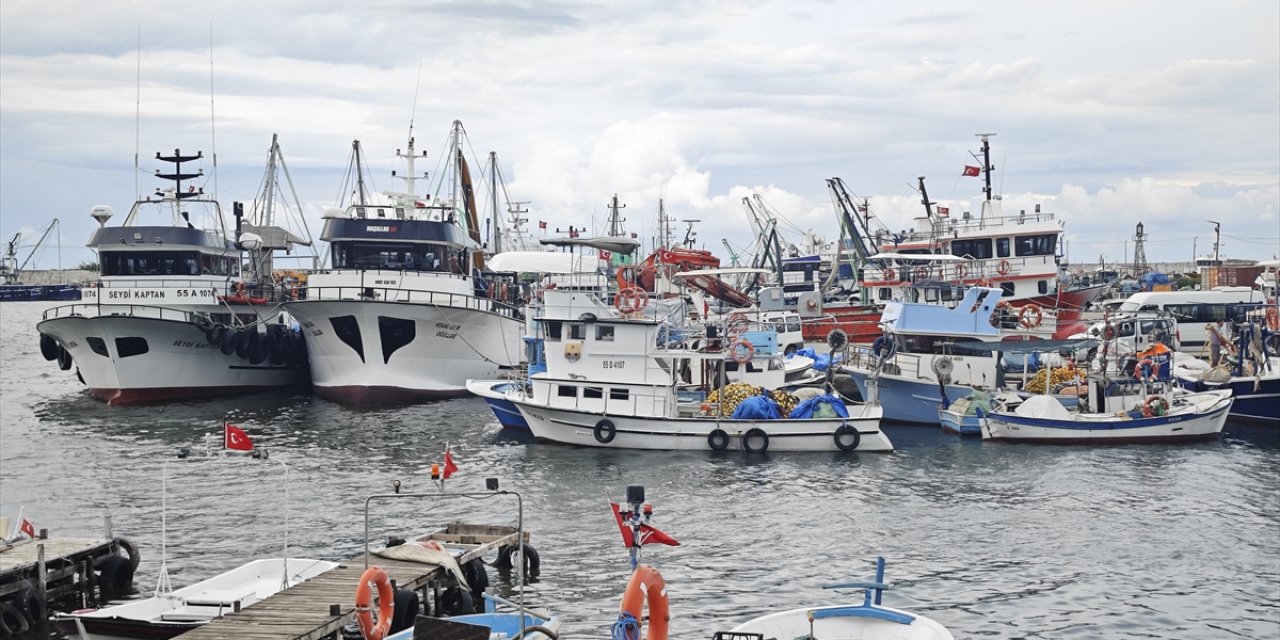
[992,540]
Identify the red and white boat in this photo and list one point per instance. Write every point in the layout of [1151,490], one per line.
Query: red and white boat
[1020,254]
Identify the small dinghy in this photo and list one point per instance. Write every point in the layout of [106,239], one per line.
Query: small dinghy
[866,621]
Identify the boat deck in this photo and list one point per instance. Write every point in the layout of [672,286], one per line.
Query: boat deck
[320,607]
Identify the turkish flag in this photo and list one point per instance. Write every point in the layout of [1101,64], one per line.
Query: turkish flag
[449,466]
[970,170]
[944,211]
[605,254]
[235,439]
[648,533]
[27,527]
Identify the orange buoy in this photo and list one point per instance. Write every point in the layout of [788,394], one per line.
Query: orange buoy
[646,582]
[369,629]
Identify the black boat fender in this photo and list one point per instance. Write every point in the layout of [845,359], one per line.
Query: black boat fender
[245,342]
[260,350]
[456,601]
[115,572]
[204,323]
[718,439]
[64,358]
[30,604]
[405,611]
[12,621]
[214,334]
[752,435]
[847,438]
[228,342]
[532,563]
[605,431]
[48,347]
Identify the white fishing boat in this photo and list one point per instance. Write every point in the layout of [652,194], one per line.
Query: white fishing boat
[174,314]
[405,313]
[869,620]
[167,614]
[1168,414]
[614,378]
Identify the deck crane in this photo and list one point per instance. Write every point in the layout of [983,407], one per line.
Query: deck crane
[11,267]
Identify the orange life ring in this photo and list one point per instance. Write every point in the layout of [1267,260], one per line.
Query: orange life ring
[1149,364]
[1003,267]
[630,300]
[742,351]
[922,273]
[239,286]
[1030,316]
[647,582]
[889,274]
[369,629]
[623,281]
[1155,406]
[1273,319]
[961,271]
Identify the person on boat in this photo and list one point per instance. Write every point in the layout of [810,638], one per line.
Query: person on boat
[1219,336]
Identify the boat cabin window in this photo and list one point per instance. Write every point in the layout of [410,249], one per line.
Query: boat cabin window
[397,257]
[592,392]
[577,332]
[978,248]
[1044,286]
[604,332]
[553,330]
[932,344]
[1002,247]
[127,347]
[155,263]
[219,265]
[567,391]
[1038,245]
[1007,288]
[98,345]
[931,295]
[619,394]
[886,293]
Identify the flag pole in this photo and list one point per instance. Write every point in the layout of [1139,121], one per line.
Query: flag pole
[17,524]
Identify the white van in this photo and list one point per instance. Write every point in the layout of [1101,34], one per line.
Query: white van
[1194,310]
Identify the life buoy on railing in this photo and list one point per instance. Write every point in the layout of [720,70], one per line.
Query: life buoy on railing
[1030,316]
[645,583]
[742,351]
[630,300]
[889,274]
[370,629]
[1155,406]
[1145,369]
[961,271]
[1273,319]
[239,287]
[1003,268]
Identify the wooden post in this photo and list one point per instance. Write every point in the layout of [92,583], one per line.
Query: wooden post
[335,610]
[107,522]
[44,577]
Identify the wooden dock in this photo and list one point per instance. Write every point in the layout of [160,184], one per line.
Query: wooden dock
[319,608]
[46,573]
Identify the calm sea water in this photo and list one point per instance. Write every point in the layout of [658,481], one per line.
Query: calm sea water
[992,540]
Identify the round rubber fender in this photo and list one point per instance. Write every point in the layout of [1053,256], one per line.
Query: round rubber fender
[605,431]
[755,434]
[245,340]
[532,562]
[406,610]
[12,621]
[884,347]
[64,359]
[204,323]
[48,347]
[481,576]
[847,438]
[130,549]
[215,333]
[115,572]
[456,601]
[30,604]
[718,439]
[228,342]
[260,349]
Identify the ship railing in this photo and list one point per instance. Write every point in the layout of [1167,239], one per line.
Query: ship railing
[415,296]
[94,310]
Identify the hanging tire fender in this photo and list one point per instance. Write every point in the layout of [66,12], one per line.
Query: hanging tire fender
[718,439]
[64,359]
[605,431]
[755,433]
[48,347]
[847,438]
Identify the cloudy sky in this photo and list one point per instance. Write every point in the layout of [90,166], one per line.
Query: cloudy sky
[1107,113]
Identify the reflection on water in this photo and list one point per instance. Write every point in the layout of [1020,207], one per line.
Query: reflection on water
[993,540]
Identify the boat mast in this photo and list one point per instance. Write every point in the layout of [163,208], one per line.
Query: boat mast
[410,176]
[615,219]
[355,150]
[496,229]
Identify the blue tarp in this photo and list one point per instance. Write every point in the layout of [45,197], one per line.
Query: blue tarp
[820,361]
[807,352]
[757,408]
[826,406]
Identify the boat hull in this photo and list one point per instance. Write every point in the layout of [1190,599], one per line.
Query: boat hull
[860,323]
[38,292]
[660,433]
[494,393]
[178,362]
[1256,399]
[357,357]
[846,622]
[958,423]
[1200,423]
[907,400]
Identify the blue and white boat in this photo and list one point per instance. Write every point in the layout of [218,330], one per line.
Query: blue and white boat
[916,362]
[1253,379]
[867,621]
[507,622]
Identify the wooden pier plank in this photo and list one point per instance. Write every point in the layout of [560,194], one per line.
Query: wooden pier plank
[302,611]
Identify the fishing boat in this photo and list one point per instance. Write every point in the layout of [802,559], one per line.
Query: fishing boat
[1252,376]
[11,287]
[869,620]
[406,312]
[614,379]
[174,314]
[501,619]
[167,614]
